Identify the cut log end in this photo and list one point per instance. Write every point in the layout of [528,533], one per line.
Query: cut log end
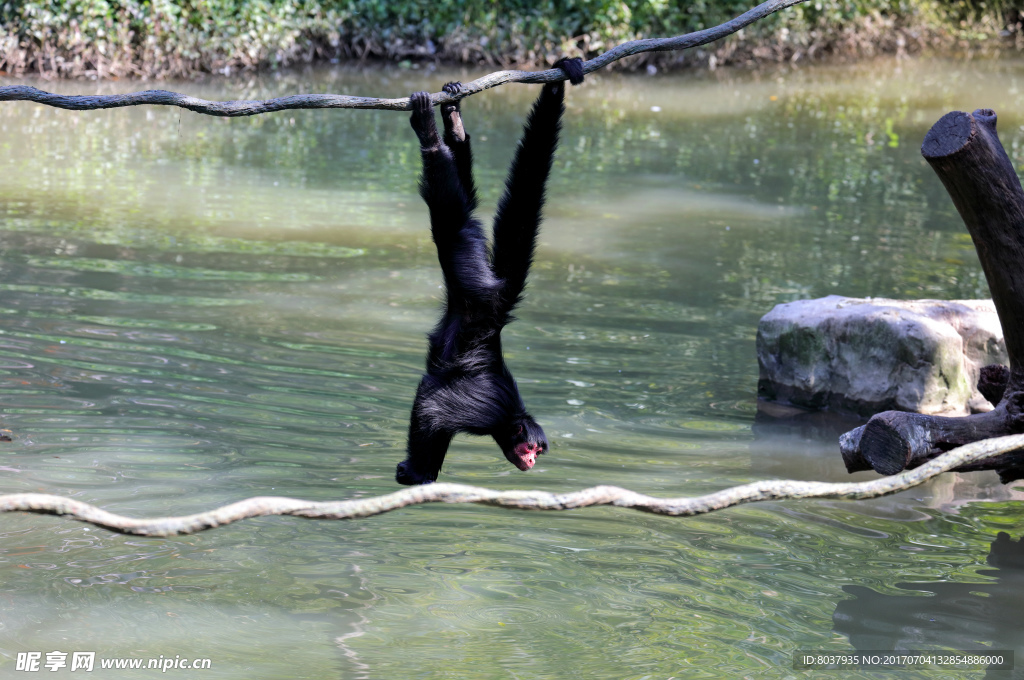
[950,134]
[884,448]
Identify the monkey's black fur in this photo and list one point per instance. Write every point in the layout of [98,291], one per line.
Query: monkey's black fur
[467,386]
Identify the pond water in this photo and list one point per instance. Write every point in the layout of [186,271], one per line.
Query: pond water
[199,310]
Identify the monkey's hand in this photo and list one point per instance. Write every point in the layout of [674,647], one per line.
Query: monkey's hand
[406,474]
[422,119]
[572,68]
[451,114]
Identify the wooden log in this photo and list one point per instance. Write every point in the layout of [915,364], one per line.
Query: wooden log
[965,152]
[896,440]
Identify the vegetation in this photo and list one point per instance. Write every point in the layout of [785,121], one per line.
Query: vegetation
[166,38]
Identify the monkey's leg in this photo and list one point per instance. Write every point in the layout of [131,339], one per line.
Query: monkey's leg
[457,139]
[461,244]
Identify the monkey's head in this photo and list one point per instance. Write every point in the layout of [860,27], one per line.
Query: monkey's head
[522,441]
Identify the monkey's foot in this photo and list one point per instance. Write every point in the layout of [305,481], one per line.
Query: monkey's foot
[451,116]
[422,119]
[452,88]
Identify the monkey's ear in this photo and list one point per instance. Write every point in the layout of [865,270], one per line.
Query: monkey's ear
[572,68]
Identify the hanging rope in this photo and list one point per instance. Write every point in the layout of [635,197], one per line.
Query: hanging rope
[338,101]
[262,506]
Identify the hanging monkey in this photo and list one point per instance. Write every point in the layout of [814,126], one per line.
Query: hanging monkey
[467,386]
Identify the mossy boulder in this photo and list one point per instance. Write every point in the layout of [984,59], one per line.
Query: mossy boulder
[867,355]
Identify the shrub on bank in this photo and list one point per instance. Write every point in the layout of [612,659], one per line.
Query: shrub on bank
[162,38]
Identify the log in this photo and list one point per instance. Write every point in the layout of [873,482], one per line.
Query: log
[894,441]
[965,152]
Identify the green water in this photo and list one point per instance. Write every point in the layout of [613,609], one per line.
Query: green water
[196,310]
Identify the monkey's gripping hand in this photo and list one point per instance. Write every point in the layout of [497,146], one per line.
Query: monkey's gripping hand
[572,68]
[422,119]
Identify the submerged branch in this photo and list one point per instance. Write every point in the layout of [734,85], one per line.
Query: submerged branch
[337,101]
[526,500]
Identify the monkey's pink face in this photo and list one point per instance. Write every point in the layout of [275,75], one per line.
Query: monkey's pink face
[524,456]
[528,443]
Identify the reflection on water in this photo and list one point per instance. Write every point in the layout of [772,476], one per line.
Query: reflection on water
[199,310]
[946,614]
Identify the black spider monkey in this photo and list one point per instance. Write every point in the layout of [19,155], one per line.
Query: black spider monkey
[467,386]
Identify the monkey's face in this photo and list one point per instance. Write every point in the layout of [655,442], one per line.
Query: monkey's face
[525,443]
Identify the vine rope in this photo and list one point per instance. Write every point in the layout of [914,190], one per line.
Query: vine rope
[337,101]
[262,506]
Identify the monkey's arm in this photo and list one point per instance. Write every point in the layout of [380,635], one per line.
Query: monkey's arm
[519,210]
[425,456]
[426,446]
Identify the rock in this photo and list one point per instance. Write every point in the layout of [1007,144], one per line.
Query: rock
[870,355]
